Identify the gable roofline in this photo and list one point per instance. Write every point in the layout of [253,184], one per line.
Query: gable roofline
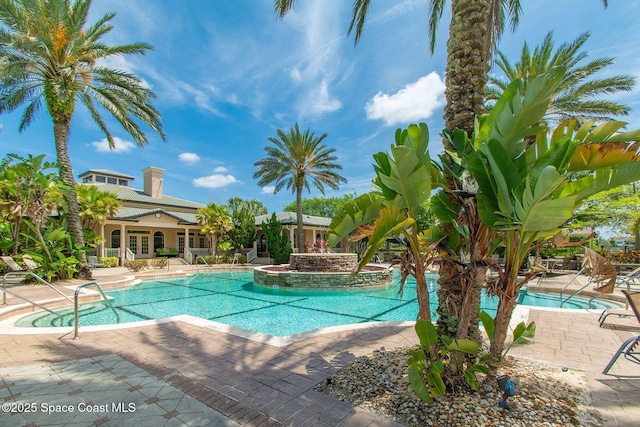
[105,172]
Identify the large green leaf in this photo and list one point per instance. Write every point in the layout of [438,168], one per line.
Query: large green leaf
[391,221]
[417,383]
[443,208]
[409,178]
[426,332]
[524,334]
[488,323]
[361,210]
[465,346]
[603,179]
[434,378]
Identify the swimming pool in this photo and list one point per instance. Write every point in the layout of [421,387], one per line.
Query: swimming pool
[232,298]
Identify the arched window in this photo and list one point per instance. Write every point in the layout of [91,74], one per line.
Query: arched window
[158,240]
[115,239]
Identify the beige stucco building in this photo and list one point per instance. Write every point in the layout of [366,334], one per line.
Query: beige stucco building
[148,219]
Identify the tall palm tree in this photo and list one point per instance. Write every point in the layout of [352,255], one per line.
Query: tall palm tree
[577,95]
[296,160]
[50,56]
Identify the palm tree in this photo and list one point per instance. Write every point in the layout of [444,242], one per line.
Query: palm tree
[578,92]
[95,206]
[216,221]
[50,56]
[296,160]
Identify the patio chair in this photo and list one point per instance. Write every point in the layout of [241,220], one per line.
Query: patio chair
[628,348]
[92,261]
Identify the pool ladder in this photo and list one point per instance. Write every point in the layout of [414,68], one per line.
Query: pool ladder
[76,322]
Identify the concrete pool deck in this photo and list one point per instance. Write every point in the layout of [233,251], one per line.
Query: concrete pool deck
[183,374]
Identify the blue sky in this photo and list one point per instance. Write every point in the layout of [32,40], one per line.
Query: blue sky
[227,75]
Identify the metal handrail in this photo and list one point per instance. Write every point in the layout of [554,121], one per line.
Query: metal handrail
[203,260]
[26,274]
[59,315]
[75,306]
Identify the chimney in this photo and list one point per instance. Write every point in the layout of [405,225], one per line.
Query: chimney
[153,181]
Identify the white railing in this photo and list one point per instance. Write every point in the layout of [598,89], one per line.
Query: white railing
[112,252]
[129,256]
[188,255]
[252,254]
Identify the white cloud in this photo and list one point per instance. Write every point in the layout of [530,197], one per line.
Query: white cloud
[220,169]
[120,145]
[214,181]
[269,189]
[319,101]
[189,158]
[416,101]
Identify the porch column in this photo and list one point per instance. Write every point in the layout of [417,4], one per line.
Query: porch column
[291,238]
[101,251]
[123,246]
[186,238]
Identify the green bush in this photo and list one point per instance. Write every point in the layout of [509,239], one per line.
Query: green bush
[570,251]
[109,261]
[136,265]
[242,259]
[208,259]
[159,262]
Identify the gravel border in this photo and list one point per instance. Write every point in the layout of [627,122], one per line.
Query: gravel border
[546,395]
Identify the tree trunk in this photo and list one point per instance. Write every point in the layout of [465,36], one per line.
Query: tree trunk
[424,311]
[503,317]
[466,73]
[61,134]
[465,77]
[300,239]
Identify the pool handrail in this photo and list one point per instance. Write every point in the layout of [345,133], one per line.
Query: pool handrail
[59,315]
[562,300]
[203,260]
[24,274]
[75,306]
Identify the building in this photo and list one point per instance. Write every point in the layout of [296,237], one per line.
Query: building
[148,219]
[314,228]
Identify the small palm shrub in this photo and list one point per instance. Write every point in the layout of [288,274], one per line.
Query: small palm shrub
[136,265]
[109,261]
[159,262]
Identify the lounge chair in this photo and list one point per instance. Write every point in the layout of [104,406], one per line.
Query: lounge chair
[11,263]
[628,348]
[29,262]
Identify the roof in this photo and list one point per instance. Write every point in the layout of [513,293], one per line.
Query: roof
[105,172]
[133,195]
[132,214]
[289,218]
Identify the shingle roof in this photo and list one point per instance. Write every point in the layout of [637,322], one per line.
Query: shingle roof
[133,195]
[131,214]
[289,218]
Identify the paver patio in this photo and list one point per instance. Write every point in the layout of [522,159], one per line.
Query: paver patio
[202,376]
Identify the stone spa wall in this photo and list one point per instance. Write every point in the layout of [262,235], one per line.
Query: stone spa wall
[372,277]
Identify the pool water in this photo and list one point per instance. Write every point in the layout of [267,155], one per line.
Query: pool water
[233,299]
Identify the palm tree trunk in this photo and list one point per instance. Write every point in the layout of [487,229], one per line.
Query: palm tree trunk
[424,311]
[503,317]
[61,135]
[466,77]
[300,242]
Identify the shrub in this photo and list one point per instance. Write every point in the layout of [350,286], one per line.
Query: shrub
[109,261]
[208,259]
[630,256]
[242,259]
[159,262]
[136,265]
